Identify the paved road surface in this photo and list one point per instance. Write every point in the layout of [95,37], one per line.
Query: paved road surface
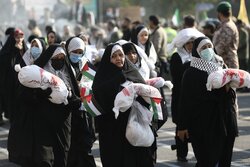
[166,157]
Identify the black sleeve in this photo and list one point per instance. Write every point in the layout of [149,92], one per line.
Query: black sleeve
[185,104]
[176,69]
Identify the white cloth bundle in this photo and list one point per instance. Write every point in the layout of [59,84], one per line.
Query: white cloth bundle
[235,77]
[33,76]
[159,82]
[138,131]
[126,97]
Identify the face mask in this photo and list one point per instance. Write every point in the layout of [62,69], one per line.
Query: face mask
[35,52]
[57,64]
[75,58]
[207,54]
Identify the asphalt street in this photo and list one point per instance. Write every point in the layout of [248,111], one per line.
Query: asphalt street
[167,157]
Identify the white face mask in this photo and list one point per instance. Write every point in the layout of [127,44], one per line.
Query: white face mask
[207,54]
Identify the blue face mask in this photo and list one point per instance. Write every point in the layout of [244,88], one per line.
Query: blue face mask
[207,54]
[35,52]
[75,58]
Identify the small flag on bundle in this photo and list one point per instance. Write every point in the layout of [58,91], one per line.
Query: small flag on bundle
[156,107]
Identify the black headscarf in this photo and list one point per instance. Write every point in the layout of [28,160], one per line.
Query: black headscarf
[43,43]
[197,62]
[134,38]
[109,77]
[130,47]
[46,56]
[58,39]
[195,46]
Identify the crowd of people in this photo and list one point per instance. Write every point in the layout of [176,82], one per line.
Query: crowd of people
[45,134]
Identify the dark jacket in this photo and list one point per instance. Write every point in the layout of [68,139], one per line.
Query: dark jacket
[177,69]
[115,150]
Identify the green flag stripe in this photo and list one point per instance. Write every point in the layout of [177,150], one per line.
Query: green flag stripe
[88,75]
[154,109]
[88,109]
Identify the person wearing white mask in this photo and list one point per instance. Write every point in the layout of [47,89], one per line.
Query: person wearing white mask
[36,49]
[207,118]
[82,133]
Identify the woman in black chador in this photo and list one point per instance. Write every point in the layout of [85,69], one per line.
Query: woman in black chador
[113,73]
[207,118]
[10,55]
[82,133]
[44,138]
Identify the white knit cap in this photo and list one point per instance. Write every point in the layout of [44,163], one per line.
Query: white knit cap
[58,51]
[76,43]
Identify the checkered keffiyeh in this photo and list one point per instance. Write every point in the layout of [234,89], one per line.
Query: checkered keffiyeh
[204,65]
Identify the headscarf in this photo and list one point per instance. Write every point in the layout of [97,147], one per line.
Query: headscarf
[182,38]
[141,63]
[58,39]
[134,38]
[184,55]
[66,73]
[197,62]
[109,78]
[27,58]
[72,44]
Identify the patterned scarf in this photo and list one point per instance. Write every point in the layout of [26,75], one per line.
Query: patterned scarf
[203,65]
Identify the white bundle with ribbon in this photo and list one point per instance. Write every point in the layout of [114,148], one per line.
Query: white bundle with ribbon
[126,97]
[159,82]
[236,78]
[33,76]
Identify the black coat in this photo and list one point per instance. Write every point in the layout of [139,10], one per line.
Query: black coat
[177,69]
[41,132]
[82,130]
[209,116]
[9,57]
[115,150]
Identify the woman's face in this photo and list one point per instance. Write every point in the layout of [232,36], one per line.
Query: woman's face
[59,56]
[78,51]
[189,46]
[143,37]
[132,56]
[19,38]
[51,38]
[34,43]
[208,45]
[118,58]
